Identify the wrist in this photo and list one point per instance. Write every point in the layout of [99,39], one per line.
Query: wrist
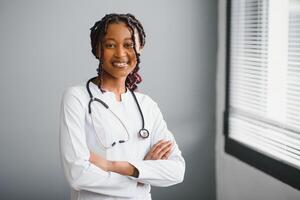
[123,168]
[111,166]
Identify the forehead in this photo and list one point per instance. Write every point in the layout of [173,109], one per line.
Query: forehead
[118,31]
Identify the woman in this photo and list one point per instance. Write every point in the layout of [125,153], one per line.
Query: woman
[114,142]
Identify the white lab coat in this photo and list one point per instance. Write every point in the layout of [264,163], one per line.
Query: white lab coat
[78,137]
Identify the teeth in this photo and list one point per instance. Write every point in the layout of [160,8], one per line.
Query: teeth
[120,64]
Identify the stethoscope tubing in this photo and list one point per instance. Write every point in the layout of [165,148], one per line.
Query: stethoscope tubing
[144,133]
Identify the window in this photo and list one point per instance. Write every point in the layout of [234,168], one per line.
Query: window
[262,116]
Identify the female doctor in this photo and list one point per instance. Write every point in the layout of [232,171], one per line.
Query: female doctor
[114,142]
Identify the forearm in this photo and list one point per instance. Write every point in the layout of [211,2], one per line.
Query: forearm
[120,167]
[123,168]
[154,172]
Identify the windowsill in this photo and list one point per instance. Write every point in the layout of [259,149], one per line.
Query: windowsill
[283,172]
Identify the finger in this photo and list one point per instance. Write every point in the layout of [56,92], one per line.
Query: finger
[165,150]
[167,154]
[150,155]
[162,148]
[157,145]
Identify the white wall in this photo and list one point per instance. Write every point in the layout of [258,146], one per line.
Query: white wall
[235,179]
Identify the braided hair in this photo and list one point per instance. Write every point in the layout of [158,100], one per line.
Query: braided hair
[98,32]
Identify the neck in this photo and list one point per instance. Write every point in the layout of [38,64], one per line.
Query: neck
[116,86]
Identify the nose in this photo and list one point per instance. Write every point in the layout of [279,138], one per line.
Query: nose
[120,51]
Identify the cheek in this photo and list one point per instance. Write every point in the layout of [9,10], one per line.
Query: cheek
[133,58]
[106,56]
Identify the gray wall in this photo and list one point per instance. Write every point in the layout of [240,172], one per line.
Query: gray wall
[235,179]
[45,48]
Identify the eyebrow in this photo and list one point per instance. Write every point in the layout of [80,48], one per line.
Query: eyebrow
[114,39]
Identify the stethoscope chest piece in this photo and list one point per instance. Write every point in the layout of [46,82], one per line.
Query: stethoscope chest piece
[144,133]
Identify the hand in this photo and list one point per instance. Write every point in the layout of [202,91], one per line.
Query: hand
[100,162]
[161,150]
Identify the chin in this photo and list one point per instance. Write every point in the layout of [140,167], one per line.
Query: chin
[118,72]
[120,75]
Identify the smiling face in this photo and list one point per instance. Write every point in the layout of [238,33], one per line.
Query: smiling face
[118,56]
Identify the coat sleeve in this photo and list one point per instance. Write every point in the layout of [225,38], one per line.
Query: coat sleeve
[161,173]
[74,152]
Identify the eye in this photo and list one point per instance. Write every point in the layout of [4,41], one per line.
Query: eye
[109,45]
[129,45]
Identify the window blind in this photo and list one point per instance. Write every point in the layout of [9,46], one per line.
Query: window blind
[293,84]
[264,77]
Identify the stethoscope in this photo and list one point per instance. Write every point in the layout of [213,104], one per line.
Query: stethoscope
[144,133]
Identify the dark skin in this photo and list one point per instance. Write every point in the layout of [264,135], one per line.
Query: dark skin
[119,60]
